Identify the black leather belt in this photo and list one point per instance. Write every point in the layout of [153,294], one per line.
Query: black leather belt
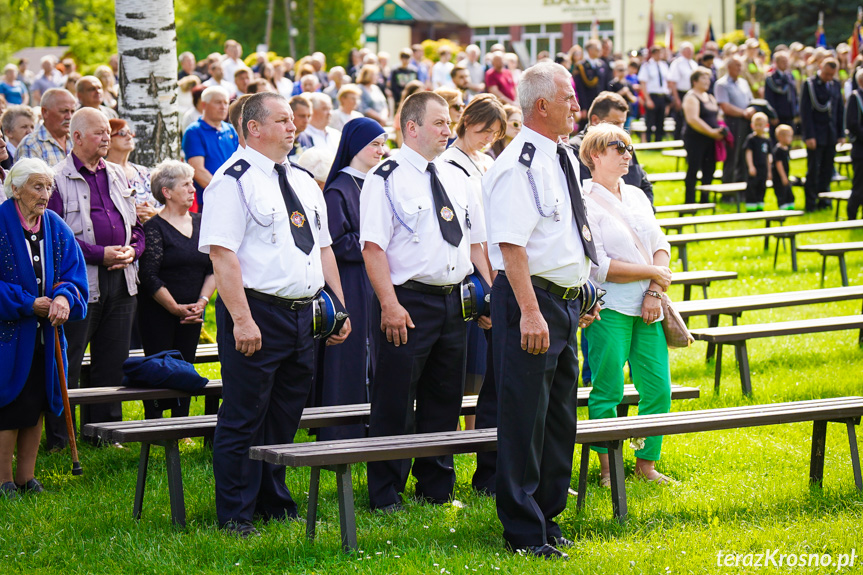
[429,289]
[291,304]
[552,288]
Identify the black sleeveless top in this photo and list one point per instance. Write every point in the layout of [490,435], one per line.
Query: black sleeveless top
[709,117]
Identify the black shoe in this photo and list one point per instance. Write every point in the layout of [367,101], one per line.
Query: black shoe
[543,551]
[396,507]
[31,486]
[561,542]
[9,490]
[244,530]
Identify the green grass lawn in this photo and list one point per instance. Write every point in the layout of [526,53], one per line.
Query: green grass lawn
[741,491]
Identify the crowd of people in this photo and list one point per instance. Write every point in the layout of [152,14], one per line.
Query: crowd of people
[522,181]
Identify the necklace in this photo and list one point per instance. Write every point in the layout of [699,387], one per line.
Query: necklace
[359,187]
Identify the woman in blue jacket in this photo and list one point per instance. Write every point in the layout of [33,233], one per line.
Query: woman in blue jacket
[43,284]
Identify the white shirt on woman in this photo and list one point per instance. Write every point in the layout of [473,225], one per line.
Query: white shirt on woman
[613,241]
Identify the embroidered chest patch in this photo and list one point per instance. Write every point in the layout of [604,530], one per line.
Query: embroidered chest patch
[446,213]
[298,219]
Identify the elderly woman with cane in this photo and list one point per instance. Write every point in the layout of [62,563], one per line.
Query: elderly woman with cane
[632,266]
[43,284]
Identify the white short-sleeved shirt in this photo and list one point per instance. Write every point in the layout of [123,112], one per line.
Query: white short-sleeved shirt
[613,241]
[514,215]
[259,229]
[475,169]
[654,76]
[405,224]
[680,72]
[328,138]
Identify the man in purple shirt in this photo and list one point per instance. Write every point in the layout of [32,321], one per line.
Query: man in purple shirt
[95,199]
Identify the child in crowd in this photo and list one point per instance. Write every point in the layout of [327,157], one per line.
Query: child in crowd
[758,161]
[781,175]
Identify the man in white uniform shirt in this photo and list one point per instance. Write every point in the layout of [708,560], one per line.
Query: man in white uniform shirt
[319,129]
[420,231]
[265,230]
[539,241]
[653,77]
[679,83]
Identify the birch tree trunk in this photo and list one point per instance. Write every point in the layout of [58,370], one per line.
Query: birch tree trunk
[147,45]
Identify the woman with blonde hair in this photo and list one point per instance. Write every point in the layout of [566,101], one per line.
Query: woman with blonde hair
[632,266]
[373,103]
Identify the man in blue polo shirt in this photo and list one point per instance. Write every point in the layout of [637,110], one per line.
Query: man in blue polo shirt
[209,141]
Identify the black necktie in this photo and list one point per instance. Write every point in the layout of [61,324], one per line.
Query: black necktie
[450,229]
[577,204]
[300,227]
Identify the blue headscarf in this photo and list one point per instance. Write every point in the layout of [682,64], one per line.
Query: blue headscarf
[356,135]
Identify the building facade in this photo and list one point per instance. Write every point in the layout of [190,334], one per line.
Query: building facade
[528,27]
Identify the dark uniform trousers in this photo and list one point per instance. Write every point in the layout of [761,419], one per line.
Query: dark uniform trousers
[262,402]
[107,329]
[734,168]
[856,199]
[655,119]
[485,476]
[819,172]
[537,415]
[429,369]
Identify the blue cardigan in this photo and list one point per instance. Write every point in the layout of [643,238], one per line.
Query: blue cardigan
[65,274]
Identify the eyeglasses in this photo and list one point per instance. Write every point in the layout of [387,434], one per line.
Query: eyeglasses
[123,133]
[622,148]
[457,107]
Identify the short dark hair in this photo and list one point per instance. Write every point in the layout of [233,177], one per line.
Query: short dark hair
[485,110]
[255,86]
[235,113]
[414,108]
[605,102]
[255,108]
[458,68]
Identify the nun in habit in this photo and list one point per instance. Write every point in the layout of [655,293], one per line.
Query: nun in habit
[343,370]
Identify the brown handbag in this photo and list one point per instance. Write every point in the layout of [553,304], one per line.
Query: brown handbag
[676,332]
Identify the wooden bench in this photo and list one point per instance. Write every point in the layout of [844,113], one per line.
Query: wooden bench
[734,189]
[682,209]
[339,456]
[701,278]
[212,392]
[801,153]
[838,250]
[838,197]
[656,177]
[653,146]
[769,217]
[735,306]
[738,335]
[206,353]
[681,240]
[843,162]
[168,432]
[677,155]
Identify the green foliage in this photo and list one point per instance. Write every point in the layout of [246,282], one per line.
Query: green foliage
[432,47]
[786,21]
[25,23]
[91,34]
[203,26]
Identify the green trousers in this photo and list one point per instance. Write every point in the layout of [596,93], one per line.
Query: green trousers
[612,341]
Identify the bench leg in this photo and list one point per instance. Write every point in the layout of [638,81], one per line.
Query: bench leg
[793,241]
[623,410]
[836,217]
[211,405]
[681,250]
[712,321]
[823,269]
[704,289]
[855,456]
[816,462]
[843,270]
[312,512]
[347,517]
[687,292]
[618,484]
[175,483]
[776,252]
[582,476]
[743,367]
[717,374]
[142,480]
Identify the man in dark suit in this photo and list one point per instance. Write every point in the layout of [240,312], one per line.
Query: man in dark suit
[822,125]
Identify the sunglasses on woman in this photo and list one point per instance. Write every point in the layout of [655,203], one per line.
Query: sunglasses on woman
[123,133]
[622,147]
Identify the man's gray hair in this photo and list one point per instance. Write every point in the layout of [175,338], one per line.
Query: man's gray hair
[79,85]
[83,119]
[319,99]
[21,172]
[185,55]
[212,91]
[52,94]
[256,108]
[168,174]
[48,58]
[537,82]
[12,113]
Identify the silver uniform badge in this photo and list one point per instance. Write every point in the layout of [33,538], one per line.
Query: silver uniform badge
[585,233]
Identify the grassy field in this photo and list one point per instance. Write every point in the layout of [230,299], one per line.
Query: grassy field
[741,491]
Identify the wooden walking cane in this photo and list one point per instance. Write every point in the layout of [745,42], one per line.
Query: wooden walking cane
[70,426]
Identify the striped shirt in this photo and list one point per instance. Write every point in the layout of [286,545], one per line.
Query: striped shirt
[41,144]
